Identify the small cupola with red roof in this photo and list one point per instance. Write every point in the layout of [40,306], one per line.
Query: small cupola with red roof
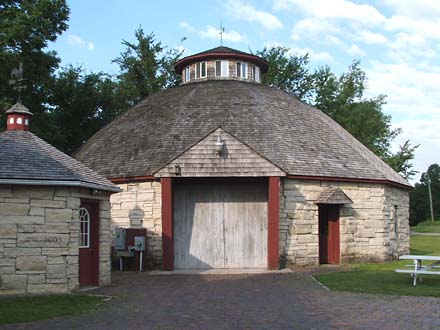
[18,117]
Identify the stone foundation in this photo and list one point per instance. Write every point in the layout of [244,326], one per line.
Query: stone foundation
[366,226]
[39,231]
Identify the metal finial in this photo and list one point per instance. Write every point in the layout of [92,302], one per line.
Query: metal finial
[222,30]
[17,80]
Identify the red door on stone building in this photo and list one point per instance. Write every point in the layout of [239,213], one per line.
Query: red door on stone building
[89,244]
[329,243]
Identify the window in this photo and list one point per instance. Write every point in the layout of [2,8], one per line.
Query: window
[218,68]
[26,122]
[201,70]
[19,120]
[225,68]
[396,223]
[187,73]
[11,120]
[256,73]
[84,223]
[242,70]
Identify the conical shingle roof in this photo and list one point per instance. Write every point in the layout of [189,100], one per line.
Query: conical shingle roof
[299,139]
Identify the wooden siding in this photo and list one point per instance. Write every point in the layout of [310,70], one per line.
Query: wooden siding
[237,159]
[220,225]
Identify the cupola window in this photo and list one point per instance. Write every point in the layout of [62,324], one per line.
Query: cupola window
[187,73]
[256,73]
[19,120]
[201,70]
[221,68]
[11,120]
[242,70]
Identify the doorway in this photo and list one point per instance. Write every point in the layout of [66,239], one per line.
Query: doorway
[329,238]
[89,244]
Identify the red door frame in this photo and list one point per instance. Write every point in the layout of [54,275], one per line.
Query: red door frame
[329,235]
[88,259]
[272,232]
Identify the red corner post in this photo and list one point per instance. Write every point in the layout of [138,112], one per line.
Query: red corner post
[167,224]
[273,223]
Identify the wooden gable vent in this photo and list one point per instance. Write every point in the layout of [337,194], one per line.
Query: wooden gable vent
[333,196]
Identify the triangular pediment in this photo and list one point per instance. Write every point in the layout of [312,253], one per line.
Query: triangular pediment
[333,196]
[219,154]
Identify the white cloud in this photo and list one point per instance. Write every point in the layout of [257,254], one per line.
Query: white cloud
[355,50]
[335,9]
[414,104]
[242,11]
[369,37]
[314,55]
[211,32]
[415,9]
[74,40]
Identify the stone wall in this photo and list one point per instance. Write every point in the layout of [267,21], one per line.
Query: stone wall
[139,206]
[39,230]
[366,226]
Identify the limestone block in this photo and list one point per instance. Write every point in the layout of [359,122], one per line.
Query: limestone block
[56,271]
[8,231]
[47,288]
[26,228]
[48,204]
[42,240]
[14,209]
[31,264]
[13,282]
[73,283]
[58,215]
[73,203]
[5,191]
[36,279]
[56,260]
[55,251]
[34,192]
[22,219]
[60,228]
[18,251]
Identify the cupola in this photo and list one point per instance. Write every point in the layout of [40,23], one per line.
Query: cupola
[18,117]
[221,63]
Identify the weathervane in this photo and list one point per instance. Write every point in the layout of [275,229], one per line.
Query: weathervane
[17,80]
[222,30]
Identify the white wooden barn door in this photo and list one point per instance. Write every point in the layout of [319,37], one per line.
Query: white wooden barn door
[220,225]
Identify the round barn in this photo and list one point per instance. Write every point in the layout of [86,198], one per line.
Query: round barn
[224,172]
[54,215]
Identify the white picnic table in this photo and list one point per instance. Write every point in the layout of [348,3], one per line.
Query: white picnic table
[433,268]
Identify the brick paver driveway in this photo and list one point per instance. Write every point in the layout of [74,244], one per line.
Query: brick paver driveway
[265,301]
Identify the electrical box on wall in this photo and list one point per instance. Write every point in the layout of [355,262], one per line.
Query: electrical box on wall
[139,243]
[120,240]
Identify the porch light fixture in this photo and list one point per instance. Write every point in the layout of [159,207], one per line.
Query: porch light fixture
[219,144]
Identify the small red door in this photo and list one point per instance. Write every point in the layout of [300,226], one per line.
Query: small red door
[89,244]
[329,250]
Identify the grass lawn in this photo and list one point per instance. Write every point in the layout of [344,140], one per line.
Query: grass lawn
[381,278]
[427,227]
[27,309]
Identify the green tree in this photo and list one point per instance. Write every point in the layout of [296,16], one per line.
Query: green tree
[288,72]
[343,99]
[26,27]
[146,67]
[419,196]
[82,104]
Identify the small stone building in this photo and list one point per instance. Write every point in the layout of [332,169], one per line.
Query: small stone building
[224,172]
[54,215]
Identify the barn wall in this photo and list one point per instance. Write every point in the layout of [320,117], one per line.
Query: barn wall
[366,228]
[139,206]
[39,230]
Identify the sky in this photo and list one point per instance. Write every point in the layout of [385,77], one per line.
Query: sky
[397,42]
